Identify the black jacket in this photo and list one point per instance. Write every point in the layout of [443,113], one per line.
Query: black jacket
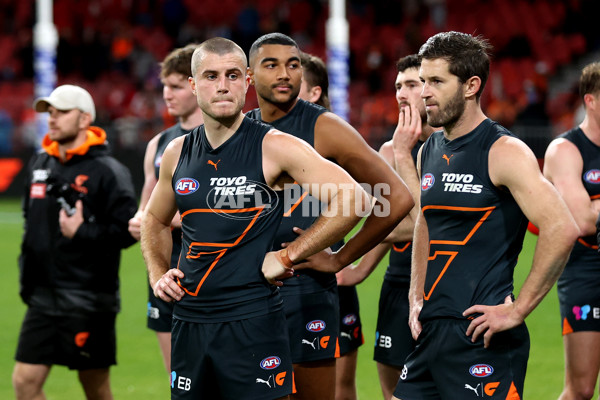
[65,276]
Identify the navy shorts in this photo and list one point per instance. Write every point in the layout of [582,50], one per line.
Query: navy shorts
[313,325]
[393,339]
[351,336]
[446,365]
[246,359]
[160,313]
[579,298]
[78,342]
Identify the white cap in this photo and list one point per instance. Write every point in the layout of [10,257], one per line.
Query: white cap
[67,97]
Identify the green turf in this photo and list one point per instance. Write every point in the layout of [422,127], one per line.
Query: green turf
[140,372]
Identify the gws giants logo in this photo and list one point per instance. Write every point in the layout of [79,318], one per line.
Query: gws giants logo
[427,181]
[592,176]
[481,370]
[315,326]
[270,362]
[186,186]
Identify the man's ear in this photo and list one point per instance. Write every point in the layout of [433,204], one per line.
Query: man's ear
[315,93]
[85,120]
[250,76]
[472,86]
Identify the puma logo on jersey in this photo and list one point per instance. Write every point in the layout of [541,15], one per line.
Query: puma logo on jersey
[460,183]
[211,162]
[445,157]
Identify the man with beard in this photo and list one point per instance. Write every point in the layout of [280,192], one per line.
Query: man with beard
[393,339]
[229,336]
[310,298]
[479,185]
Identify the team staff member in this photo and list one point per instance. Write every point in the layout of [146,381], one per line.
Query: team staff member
[393,339]
[315,88]
[572,164]
[181,103]
[479,185]
[70,256]
[310,299]
[229,336]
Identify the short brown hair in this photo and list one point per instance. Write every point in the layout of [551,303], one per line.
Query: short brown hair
[315,74]
[589,83]
[216,45]
[179,61]
[467,55]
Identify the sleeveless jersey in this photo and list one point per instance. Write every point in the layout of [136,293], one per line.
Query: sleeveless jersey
[229,218]
[586,248]
[300,209]
[476,229]
[165,138]
[398,271]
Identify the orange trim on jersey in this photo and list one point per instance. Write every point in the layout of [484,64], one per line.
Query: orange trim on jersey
[566,327]
[225,246]
[594,197]
[488,211]
[337,348]
[452,254]
[401,249]
[293,384]
[584,243]
[296,204]
[512,393]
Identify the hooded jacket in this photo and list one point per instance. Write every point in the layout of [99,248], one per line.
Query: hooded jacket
[63,276]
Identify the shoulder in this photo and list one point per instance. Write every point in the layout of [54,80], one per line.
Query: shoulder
[387,151]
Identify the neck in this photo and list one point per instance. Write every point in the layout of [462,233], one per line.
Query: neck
[273,111]
[591,128]
[191,121]
[219,131]
[72,144]
[426,131]
[469,120]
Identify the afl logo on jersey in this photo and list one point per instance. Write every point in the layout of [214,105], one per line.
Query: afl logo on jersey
[592,176]
[157,161]
[481,370]
[427,181]
[349,319]
[315,326]
[271,362]
[186,186]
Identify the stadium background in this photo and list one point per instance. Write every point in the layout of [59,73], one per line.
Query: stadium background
[112,47]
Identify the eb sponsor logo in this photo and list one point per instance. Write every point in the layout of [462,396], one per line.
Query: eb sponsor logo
[315,326]
[481,370]
[270,362]
[180,382]
[186,186]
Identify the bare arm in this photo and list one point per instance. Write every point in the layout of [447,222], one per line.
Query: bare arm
[156,240]
[336,139]
[513,165]
[355,274]
[347,201]
[563,166]
[135,223]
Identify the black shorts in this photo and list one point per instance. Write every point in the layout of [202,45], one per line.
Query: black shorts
[447,365]
[160,313]
[393,339]
[579,298]
[78,342]
[351,336]
[247,359]
[313,325]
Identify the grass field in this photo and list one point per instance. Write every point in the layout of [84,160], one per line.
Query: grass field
[140,373]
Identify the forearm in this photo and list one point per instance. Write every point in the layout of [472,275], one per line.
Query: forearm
[341,215]
[371,260]
[551,254]
[156,244]
[419,262]
[404,231]
[386,215]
